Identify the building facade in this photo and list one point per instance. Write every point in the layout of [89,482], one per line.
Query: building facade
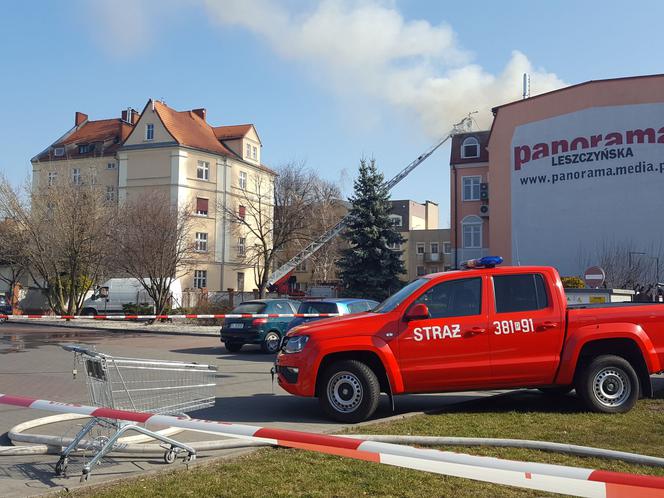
[427,248]
[561,176]
[193,163]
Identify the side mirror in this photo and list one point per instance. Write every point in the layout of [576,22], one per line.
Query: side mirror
[103,292]
[419,311]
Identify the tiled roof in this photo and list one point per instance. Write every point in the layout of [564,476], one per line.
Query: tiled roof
[231,132]
[188,128]
[106,135]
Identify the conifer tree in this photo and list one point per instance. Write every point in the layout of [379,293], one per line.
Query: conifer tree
[369,268]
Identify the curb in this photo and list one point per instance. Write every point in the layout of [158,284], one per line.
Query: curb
[119,331]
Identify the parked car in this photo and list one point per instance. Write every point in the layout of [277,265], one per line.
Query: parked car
[5,308]
[236,332]
[339,306]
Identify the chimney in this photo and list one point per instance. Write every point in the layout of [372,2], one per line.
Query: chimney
[80,118]
[130,116]
[200,112]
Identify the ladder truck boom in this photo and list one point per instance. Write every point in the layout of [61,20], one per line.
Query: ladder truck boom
[314,246]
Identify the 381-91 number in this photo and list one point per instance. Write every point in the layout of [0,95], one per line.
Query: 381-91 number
[511,326]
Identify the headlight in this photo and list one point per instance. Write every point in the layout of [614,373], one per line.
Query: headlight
[295,344]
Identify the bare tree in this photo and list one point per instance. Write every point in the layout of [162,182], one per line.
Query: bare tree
[153,243]
[270,214]
[626,265]
[13,263]
[63,232]
[326,213]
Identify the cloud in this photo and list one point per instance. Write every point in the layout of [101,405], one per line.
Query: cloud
[367,47]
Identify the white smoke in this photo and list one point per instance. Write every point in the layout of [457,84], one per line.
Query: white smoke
[363,50]
[368,48]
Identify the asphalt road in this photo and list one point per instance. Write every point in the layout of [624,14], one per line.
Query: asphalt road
[33,364]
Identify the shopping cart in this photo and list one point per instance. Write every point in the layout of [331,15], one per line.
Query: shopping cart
[152,386]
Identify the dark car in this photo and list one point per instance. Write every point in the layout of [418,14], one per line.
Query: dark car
[236,332]
[340,306]
[5,308]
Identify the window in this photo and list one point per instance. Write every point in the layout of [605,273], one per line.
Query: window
[241,246]
[93,176]
[520,293]
[421,271]
[84,148]
[149,131]
[52,177]
[110,193]
[201,206]
[200,279]
[253,152]
[317,307]
[248,151]
[395,246]
[280,307]
[203,170]
[243,180]
[420,248]
[397,220]
[454,298]
[76,176]
[470,148]
[201,241]
[359,307]
[447,248]
[240,281]
[471,188]
[111,166]
[472,232]
[434,248]
[433,269]
[242,212]
[59,151]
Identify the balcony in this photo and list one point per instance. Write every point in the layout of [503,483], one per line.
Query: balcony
[433,257]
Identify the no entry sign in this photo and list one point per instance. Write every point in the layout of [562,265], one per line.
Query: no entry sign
[594,277]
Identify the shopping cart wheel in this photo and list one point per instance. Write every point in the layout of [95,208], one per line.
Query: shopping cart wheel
[61,466]
[169,456]
[84,476]
[189,458]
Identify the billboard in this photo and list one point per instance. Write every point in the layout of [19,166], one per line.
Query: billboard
[586,179]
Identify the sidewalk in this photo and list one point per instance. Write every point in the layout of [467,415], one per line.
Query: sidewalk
[178,327]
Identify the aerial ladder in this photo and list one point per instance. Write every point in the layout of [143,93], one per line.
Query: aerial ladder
[280,275]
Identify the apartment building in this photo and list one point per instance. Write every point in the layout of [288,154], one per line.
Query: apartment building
[210,168]
[427,248]
[562,177]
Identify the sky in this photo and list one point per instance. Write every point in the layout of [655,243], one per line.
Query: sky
[325,82]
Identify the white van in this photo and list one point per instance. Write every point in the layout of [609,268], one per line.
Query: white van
[112,294]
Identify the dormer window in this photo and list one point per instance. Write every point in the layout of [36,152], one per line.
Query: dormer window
[470,148]
[59,151]
[248,155]
[84,148]
[254,152]
[149,131]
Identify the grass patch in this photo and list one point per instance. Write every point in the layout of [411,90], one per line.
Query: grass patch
[522,415]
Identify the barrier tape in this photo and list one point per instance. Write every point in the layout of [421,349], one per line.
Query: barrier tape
[543,477]
[167,317]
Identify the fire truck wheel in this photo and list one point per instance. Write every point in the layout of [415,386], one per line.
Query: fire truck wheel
[349,391]
[608,384]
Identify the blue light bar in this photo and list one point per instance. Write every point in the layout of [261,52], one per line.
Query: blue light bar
[485,262]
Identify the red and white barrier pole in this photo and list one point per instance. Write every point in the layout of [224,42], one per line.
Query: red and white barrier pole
[543,477]
[166,317]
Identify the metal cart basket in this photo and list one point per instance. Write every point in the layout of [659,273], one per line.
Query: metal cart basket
[153,386]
